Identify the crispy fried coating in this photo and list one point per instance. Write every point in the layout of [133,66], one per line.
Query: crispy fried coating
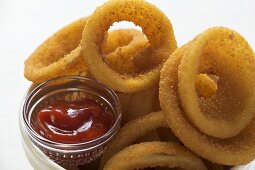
[140,103]
[154,154]
[117,49]
[118,38]
[206,89]
[122,51]
[59,55]
[232,151]
[155,25]
[206,86]
[230,110]
[132,131]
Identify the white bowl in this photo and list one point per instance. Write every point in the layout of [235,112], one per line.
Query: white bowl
[35,156]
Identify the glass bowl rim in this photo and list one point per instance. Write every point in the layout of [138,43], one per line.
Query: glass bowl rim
[62,146]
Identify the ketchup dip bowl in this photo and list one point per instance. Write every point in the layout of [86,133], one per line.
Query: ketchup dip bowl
[41,151]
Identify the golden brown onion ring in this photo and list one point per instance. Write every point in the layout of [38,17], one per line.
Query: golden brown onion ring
[231,108]
[59,55]
[130,102]
[154,154]
[131,131]
[140,103]
[233,151]
[205,85]
[120,37]
[155,25]
[122,48]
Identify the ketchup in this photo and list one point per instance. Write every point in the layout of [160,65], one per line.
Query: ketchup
[73,122]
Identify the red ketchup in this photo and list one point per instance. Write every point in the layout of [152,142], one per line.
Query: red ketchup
[73,122]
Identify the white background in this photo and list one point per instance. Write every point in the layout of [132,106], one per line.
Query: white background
[24,24]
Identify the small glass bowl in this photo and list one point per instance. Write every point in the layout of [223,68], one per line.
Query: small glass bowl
[70,88]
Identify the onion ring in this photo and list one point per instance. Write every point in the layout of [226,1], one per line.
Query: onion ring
[232,107]
[131,131]
[123,49]
[120,37]
[59,55]
[135,109]
[233,151]
[205,85]
[154,154]
[122,46]
[131,102]
[155,25]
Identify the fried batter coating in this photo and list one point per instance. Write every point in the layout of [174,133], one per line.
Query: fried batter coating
[206,87]
[122,51]
[128,42]
[131,131]
[232,151]
[118,38]
[230,110]
[155,25]
[59,55]
[154,154]
[140,103]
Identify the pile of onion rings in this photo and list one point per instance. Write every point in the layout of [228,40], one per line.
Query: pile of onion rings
[51,59]
[229,110]
[229,47]
[204,93]
[61,54]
